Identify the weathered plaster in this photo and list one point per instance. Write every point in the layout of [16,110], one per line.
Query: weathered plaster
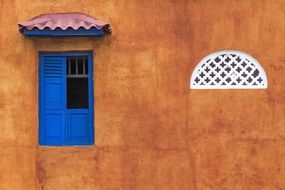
[152,131]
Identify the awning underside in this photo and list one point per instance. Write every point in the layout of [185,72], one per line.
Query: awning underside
[64,24]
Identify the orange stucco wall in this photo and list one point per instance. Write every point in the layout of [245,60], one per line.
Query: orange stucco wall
[152,131]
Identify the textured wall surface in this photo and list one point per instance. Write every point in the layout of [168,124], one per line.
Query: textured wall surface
[152,131]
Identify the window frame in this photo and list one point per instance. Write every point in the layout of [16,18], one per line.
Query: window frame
[91,86]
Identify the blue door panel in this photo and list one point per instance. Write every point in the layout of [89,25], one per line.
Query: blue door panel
[79,126]
[53,130]
[52,100]
[53,95]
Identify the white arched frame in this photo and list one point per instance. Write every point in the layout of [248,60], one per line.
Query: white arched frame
[228,69]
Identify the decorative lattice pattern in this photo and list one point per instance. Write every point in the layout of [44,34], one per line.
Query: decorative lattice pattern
[228,69]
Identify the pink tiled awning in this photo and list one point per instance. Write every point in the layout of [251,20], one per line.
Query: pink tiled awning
[64,21]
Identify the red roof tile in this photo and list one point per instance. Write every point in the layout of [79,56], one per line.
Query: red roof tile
[64,21]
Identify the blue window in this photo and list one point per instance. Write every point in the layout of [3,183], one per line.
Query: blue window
[66,99]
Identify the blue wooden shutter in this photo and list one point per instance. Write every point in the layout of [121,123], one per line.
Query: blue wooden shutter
[52,100]
[80,130]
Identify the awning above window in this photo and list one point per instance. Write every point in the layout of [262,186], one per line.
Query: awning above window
[64,24]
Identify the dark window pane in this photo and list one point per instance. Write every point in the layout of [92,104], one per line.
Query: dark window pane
[77,93]
[73,66]
[80,66]
[86,66]
[67,66]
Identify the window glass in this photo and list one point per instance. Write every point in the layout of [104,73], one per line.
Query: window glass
[77,93]
[77,82]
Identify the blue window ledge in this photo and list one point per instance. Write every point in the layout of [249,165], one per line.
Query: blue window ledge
[68,32]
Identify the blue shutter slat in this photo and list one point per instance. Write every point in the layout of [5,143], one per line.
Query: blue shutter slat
[54,83]
[52,100]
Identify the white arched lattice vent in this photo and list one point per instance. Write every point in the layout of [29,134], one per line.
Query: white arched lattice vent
[228,69]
